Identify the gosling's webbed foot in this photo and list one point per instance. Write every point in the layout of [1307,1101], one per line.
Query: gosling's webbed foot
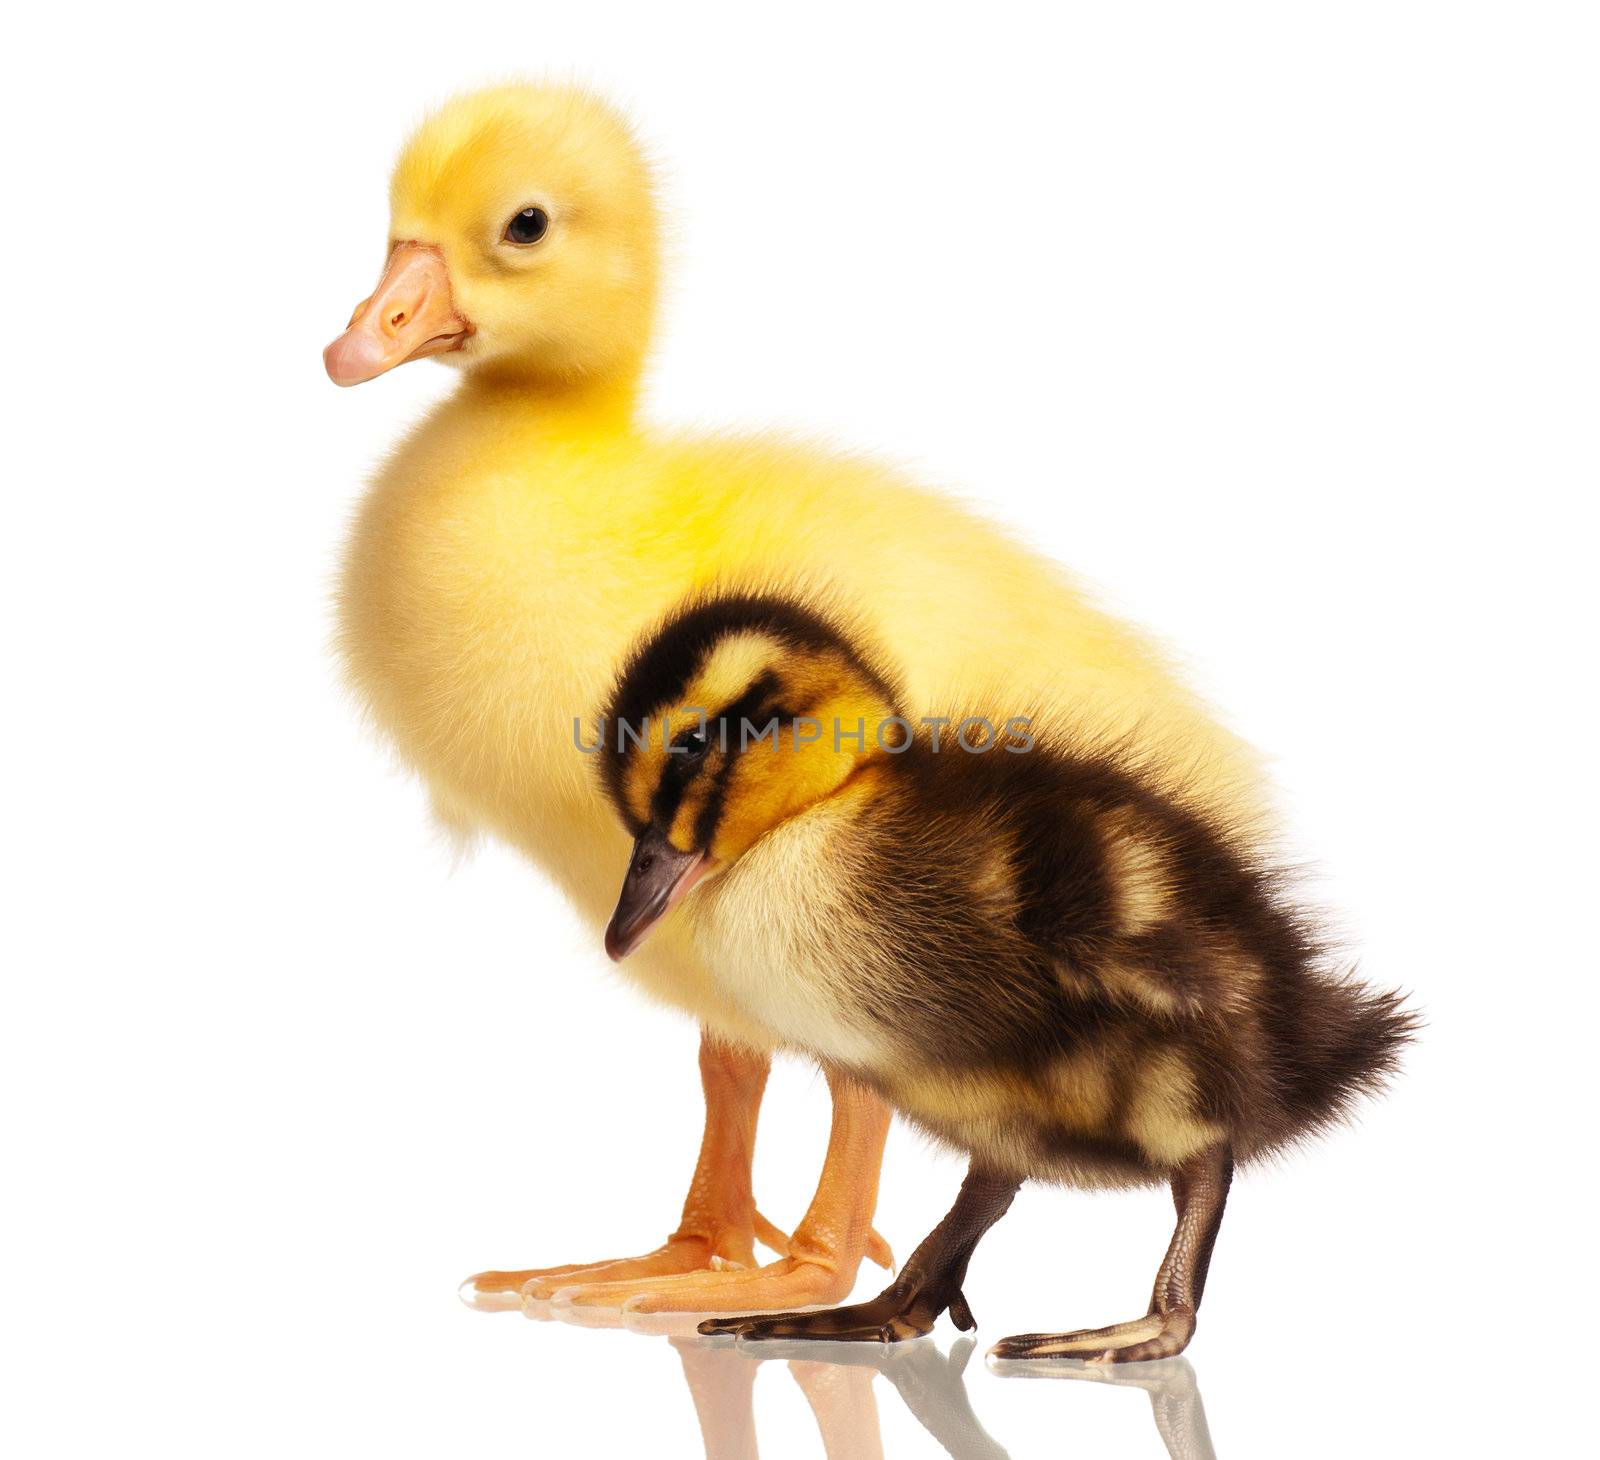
[1155,1336]
[901,1311]
[789,1280]
[509,1288]
[695,1277]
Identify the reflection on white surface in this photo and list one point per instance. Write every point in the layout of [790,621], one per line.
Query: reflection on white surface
[1174,1391]
[838,1381]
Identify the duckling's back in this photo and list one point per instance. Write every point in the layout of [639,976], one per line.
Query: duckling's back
[1050,959]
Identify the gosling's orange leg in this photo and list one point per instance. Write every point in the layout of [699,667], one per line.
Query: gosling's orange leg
[823,1254]
[720,1221]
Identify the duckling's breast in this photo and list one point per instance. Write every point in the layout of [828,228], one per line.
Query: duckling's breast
[782,933]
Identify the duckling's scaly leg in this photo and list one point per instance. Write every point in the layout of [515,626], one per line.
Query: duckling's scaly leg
[824,1252]
[929,1283]
[1199,1191]
[720,1221]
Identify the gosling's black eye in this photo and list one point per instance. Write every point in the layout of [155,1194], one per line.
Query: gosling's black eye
[528,226]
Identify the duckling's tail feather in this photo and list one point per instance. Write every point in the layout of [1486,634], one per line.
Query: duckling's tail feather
[1346,1041]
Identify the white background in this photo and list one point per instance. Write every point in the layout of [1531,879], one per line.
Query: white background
[1279,322]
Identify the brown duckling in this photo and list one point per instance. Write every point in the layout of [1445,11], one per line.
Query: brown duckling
[1048,960]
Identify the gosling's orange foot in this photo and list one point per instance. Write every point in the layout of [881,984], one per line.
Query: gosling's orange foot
[731,1242]
[1155,1336]
[496,1289]
[615,1283]
[789,1281]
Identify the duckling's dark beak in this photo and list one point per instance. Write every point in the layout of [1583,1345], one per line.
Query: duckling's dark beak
[659,876]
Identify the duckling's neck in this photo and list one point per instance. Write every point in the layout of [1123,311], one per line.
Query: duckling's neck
[598,406]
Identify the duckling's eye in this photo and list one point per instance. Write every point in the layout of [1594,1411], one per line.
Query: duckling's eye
[528,226]
[694,744]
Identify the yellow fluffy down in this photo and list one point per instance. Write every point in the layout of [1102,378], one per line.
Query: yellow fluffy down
[525,534]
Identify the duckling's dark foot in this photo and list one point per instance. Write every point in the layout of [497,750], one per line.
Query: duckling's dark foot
[1155,1336]
[929,1284]
[1199,1192]
[896,1313]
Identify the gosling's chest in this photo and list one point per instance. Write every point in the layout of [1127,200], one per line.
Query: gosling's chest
[471,625]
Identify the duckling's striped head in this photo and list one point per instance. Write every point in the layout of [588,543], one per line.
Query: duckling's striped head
[738,713]
[522,240]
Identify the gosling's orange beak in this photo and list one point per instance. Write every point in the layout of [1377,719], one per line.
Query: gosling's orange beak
[410,314]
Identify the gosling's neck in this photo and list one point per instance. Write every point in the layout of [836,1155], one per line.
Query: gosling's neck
[560,408]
